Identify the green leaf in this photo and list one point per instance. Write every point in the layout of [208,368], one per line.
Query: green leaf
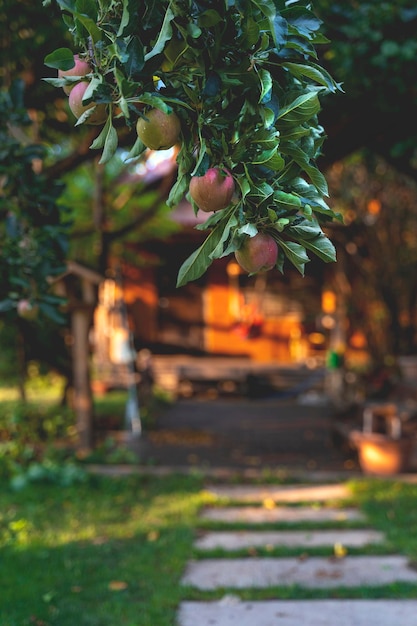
[85,11]
[245,187]
[266,85]
[266,7]
[164,36]
[209,18]
[279,28]
[251,33]
[303,108]
[322,247]
[264,156]
[275,163]
[137,149]
[220,250]
[135,58]
[261,191]
[129,18]
[178,191]
[302,21]
[203,161]
[61,82]
[295,253]
[153,101]
[100,140]
[282,223]
[93,85]
[305,230]
[316,177]
[248,229]
[287,198]
[110,145]
[277,23]
[198,262]
[211,221]
[60,59]
[313,72]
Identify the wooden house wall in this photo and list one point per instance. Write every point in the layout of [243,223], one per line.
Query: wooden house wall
[208,317]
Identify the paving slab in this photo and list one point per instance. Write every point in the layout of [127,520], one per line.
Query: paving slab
[232,612]
[262,515]
[281,493]
[312,572]
[237,540]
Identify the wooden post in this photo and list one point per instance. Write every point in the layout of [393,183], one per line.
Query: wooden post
[83,397]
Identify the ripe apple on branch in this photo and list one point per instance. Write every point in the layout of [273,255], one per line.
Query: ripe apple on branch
[237,87]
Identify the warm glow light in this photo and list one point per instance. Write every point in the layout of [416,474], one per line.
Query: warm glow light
[358,340]
[328,301]
[317,338]
[233,269]
[328,321]
[374,206]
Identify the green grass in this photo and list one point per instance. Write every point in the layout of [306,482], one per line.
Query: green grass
[65,552]
[391,507]
[394,591]
[110,552]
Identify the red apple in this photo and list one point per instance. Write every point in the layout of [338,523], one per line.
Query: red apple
[75,101]
[158,130]
[258,253]
[27,310]
[214,190]
[81,68]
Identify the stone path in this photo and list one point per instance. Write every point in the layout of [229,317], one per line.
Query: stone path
[286,506]
[299,613]
[258,515]
[238,540]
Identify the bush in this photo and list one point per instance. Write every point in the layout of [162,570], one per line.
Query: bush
[29,435]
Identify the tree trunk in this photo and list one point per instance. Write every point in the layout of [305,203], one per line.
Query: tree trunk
[83,398]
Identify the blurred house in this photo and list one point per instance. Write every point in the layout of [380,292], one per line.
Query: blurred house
[268,318]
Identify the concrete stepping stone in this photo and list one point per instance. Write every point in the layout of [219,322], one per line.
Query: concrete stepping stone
[237,540]
[281,493]
[262,515]
[232,612]
[312,572]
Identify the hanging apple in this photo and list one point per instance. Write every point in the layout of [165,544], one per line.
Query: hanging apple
[214,190]
[75,101]
[237,86]
[158,130]
[258,253]
[81,68]
[27,309]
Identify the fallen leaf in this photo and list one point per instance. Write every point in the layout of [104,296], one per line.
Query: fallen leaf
[153,535]
[339,550]
[117,585]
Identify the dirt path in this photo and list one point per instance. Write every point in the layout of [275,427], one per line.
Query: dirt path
[241,433]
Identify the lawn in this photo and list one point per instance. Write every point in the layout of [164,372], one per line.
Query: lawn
[111,552]
[106,552]
[95,551]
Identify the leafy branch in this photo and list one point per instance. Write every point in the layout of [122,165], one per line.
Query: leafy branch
[244,82]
